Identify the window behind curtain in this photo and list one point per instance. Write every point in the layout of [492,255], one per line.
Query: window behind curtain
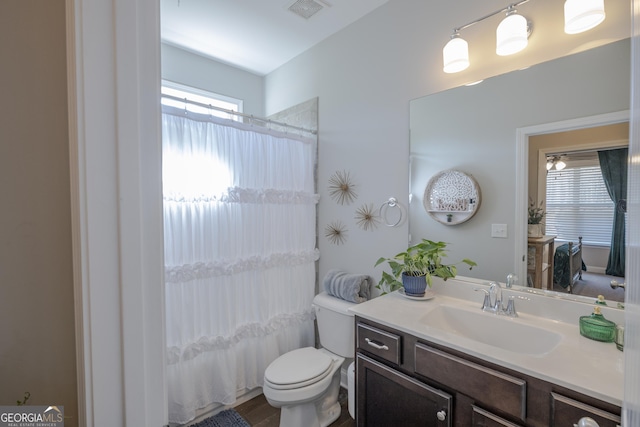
[578,204]
[195,96]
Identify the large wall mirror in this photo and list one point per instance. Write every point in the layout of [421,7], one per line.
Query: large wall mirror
[479,129]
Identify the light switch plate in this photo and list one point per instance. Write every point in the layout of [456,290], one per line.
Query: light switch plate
[499,231]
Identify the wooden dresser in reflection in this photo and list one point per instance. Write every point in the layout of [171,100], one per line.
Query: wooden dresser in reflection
[540,253]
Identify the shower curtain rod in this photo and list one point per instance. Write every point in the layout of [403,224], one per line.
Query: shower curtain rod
[236,113]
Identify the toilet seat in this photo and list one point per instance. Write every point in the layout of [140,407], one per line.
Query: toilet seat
[298,368]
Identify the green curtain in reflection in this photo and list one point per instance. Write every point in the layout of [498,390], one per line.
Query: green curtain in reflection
[613,164]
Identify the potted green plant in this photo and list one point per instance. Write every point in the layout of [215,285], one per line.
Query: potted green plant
[535,227]
[415,268]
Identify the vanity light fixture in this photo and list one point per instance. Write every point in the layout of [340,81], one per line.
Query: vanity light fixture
[509,34]
[455,54]
[512,34]
[582,15]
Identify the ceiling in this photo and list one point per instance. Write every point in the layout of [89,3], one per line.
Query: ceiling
[256,35]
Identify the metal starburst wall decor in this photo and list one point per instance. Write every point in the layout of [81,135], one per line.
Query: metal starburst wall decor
[336,232]
[341,188]
[366,217]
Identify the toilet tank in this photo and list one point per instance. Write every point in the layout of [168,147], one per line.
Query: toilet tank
[335,324]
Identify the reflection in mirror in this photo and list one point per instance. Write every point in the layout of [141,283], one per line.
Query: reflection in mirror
[475,129]
[566,179]
[452,197]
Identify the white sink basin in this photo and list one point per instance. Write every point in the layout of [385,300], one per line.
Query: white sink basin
[497,331]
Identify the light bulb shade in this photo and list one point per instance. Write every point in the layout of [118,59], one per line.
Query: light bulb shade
[549,164]
[560,165]
[455,55]
[582,15]
[512,35]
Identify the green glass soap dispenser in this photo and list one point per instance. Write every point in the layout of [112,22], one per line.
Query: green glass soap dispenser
[596,327]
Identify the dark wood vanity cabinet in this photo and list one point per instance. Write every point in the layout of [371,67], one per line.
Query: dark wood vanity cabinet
[405,381]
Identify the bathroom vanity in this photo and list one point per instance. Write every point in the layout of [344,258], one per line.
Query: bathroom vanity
[445,362]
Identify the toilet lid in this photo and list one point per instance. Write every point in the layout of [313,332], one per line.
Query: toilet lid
[298,366]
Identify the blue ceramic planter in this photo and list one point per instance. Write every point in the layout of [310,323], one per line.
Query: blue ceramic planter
[414,286]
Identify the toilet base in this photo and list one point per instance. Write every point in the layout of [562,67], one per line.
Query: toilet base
[306,414]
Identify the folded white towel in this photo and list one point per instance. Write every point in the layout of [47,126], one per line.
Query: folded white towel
[350,287]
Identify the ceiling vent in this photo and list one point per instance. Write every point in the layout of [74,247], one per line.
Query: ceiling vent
[307,8]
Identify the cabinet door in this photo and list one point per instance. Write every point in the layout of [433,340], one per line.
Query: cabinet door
[387,397]
[487,386]
[567,412]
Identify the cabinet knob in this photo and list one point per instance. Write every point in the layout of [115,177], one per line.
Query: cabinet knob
[587,422]
[442,415]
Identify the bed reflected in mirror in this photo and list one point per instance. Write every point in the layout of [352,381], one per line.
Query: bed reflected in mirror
[568,174]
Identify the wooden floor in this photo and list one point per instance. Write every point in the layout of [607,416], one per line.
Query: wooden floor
[259,413]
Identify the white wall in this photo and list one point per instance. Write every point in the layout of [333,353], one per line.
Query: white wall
[180,66]
[364,77]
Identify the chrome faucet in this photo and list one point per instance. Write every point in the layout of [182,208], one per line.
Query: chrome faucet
[495,294]
[493,301]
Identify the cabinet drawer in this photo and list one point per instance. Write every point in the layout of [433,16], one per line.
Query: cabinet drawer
[491,388]
[482,418]
[567,412]
[380,343]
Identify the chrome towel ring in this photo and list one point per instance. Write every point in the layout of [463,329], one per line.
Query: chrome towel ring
[384,211]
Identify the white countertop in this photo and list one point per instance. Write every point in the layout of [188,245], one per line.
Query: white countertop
[590,367]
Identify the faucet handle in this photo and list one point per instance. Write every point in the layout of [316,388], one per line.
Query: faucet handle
[486,303]
[511,307]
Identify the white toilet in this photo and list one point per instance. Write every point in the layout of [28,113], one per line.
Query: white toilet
[305,382]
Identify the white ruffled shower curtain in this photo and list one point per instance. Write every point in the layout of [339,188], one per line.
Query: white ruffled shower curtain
[240,235]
